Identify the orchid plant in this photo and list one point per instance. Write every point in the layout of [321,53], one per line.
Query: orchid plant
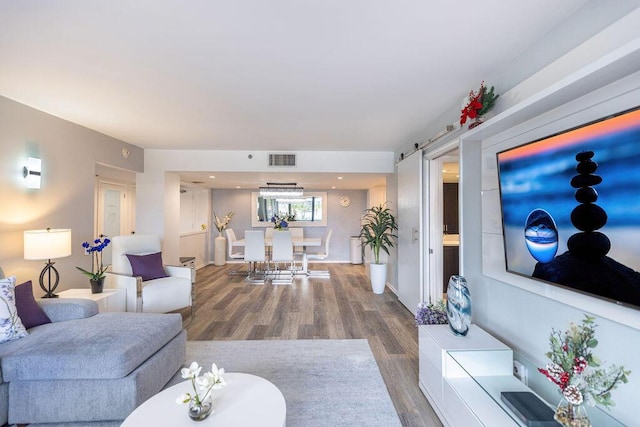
[202,385]
[574,367]
[95,250]
[222,223]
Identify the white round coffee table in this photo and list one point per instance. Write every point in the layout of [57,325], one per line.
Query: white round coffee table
[247,400]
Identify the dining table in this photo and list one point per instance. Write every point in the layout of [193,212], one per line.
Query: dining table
[298,243]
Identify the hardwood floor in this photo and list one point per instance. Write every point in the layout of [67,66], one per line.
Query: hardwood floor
[340,307]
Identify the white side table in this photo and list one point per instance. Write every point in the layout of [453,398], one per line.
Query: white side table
[108,300]
[246,401]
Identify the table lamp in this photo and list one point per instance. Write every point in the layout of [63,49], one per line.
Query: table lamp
[47,244]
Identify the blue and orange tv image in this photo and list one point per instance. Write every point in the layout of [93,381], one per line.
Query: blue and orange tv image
[571,208]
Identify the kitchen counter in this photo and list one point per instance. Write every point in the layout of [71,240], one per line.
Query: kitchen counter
[451,240]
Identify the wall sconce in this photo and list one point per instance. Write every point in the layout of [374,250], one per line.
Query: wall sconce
[32,172]
[45,245]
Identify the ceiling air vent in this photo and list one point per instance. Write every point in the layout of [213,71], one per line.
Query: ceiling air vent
[282,159]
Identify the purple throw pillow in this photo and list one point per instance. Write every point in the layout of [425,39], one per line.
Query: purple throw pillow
[27,308]
[148,267]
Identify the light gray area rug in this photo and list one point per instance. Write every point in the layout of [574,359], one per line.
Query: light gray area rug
[324,382]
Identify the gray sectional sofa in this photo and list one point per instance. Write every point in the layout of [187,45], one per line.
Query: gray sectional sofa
[87,368]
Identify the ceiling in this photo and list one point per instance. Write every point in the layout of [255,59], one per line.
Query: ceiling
[358,75]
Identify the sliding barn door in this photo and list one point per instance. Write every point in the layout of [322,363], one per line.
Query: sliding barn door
[410,231]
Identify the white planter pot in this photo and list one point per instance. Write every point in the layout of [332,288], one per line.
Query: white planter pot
[220,251]
[378,276]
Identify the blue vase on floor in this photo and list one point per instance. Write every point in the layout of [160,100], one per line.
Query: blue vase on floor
[458,306]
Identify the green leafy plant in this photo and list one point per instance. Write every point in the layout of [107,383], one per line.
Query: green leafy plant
[378,230]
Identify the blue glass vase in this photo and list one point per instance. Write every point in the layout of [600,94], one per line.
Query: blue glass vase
[458,306]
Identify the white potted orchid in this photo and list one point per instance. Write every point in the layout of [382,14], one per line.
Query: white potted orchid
[222,223]
[220,242]
[201,402]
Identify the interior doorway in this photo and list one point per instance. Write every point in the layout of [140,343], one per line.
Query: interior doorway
[115,205]
[442,216]
[450,218]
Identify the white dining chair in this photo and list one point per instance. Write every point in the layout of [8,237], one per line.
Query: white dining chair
[254,253]
[282,252]
[234,251]
[297,234]
[320,256]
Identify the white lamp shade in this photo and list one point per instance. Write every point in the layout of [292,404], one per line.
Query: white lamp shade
[47,244]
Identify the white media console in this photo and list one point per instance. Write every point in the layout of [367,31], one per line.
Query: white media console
[462,378]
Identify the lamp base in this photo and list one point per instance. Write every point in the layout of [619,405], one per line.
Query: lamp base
[51,286]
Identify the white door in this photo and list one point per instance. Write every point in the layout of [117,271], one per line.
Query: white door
[410,231]
[113,216]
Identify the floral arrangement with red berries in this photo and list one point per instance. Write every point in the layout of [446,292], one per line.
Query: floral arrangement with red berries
[574,368]
[479,104]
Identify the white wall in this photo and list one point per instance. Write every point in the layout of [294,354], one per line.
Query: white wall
[257,161]
[195,210]
[196,245]
[195,224]
[519,311]
[69,155]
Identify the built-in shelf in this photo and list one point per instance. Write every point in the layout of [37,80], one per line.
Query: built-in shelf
[462,378]
[615,65]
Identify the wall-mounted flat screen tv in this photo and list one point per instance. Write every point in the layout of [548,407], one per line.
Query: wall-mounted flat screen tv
[571,208]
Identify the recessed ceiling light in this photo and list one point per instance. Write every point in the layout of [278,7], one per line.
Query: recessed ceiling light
[339,177]
[333,188]
[212,176]
[237,186]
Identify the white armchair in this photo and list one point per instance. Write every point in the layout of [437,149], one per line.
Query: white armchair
[158,295]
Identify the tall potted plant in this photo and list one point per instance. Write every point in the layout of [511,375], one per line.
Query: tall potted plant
[378,232]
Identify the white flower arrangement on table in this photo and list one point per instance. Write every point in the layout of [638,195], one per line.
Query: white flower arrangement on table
[279,222]
[221,224]
[202,385]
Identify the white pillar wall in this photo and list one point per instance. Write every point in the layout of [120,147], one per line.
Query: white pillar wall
[158,210]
